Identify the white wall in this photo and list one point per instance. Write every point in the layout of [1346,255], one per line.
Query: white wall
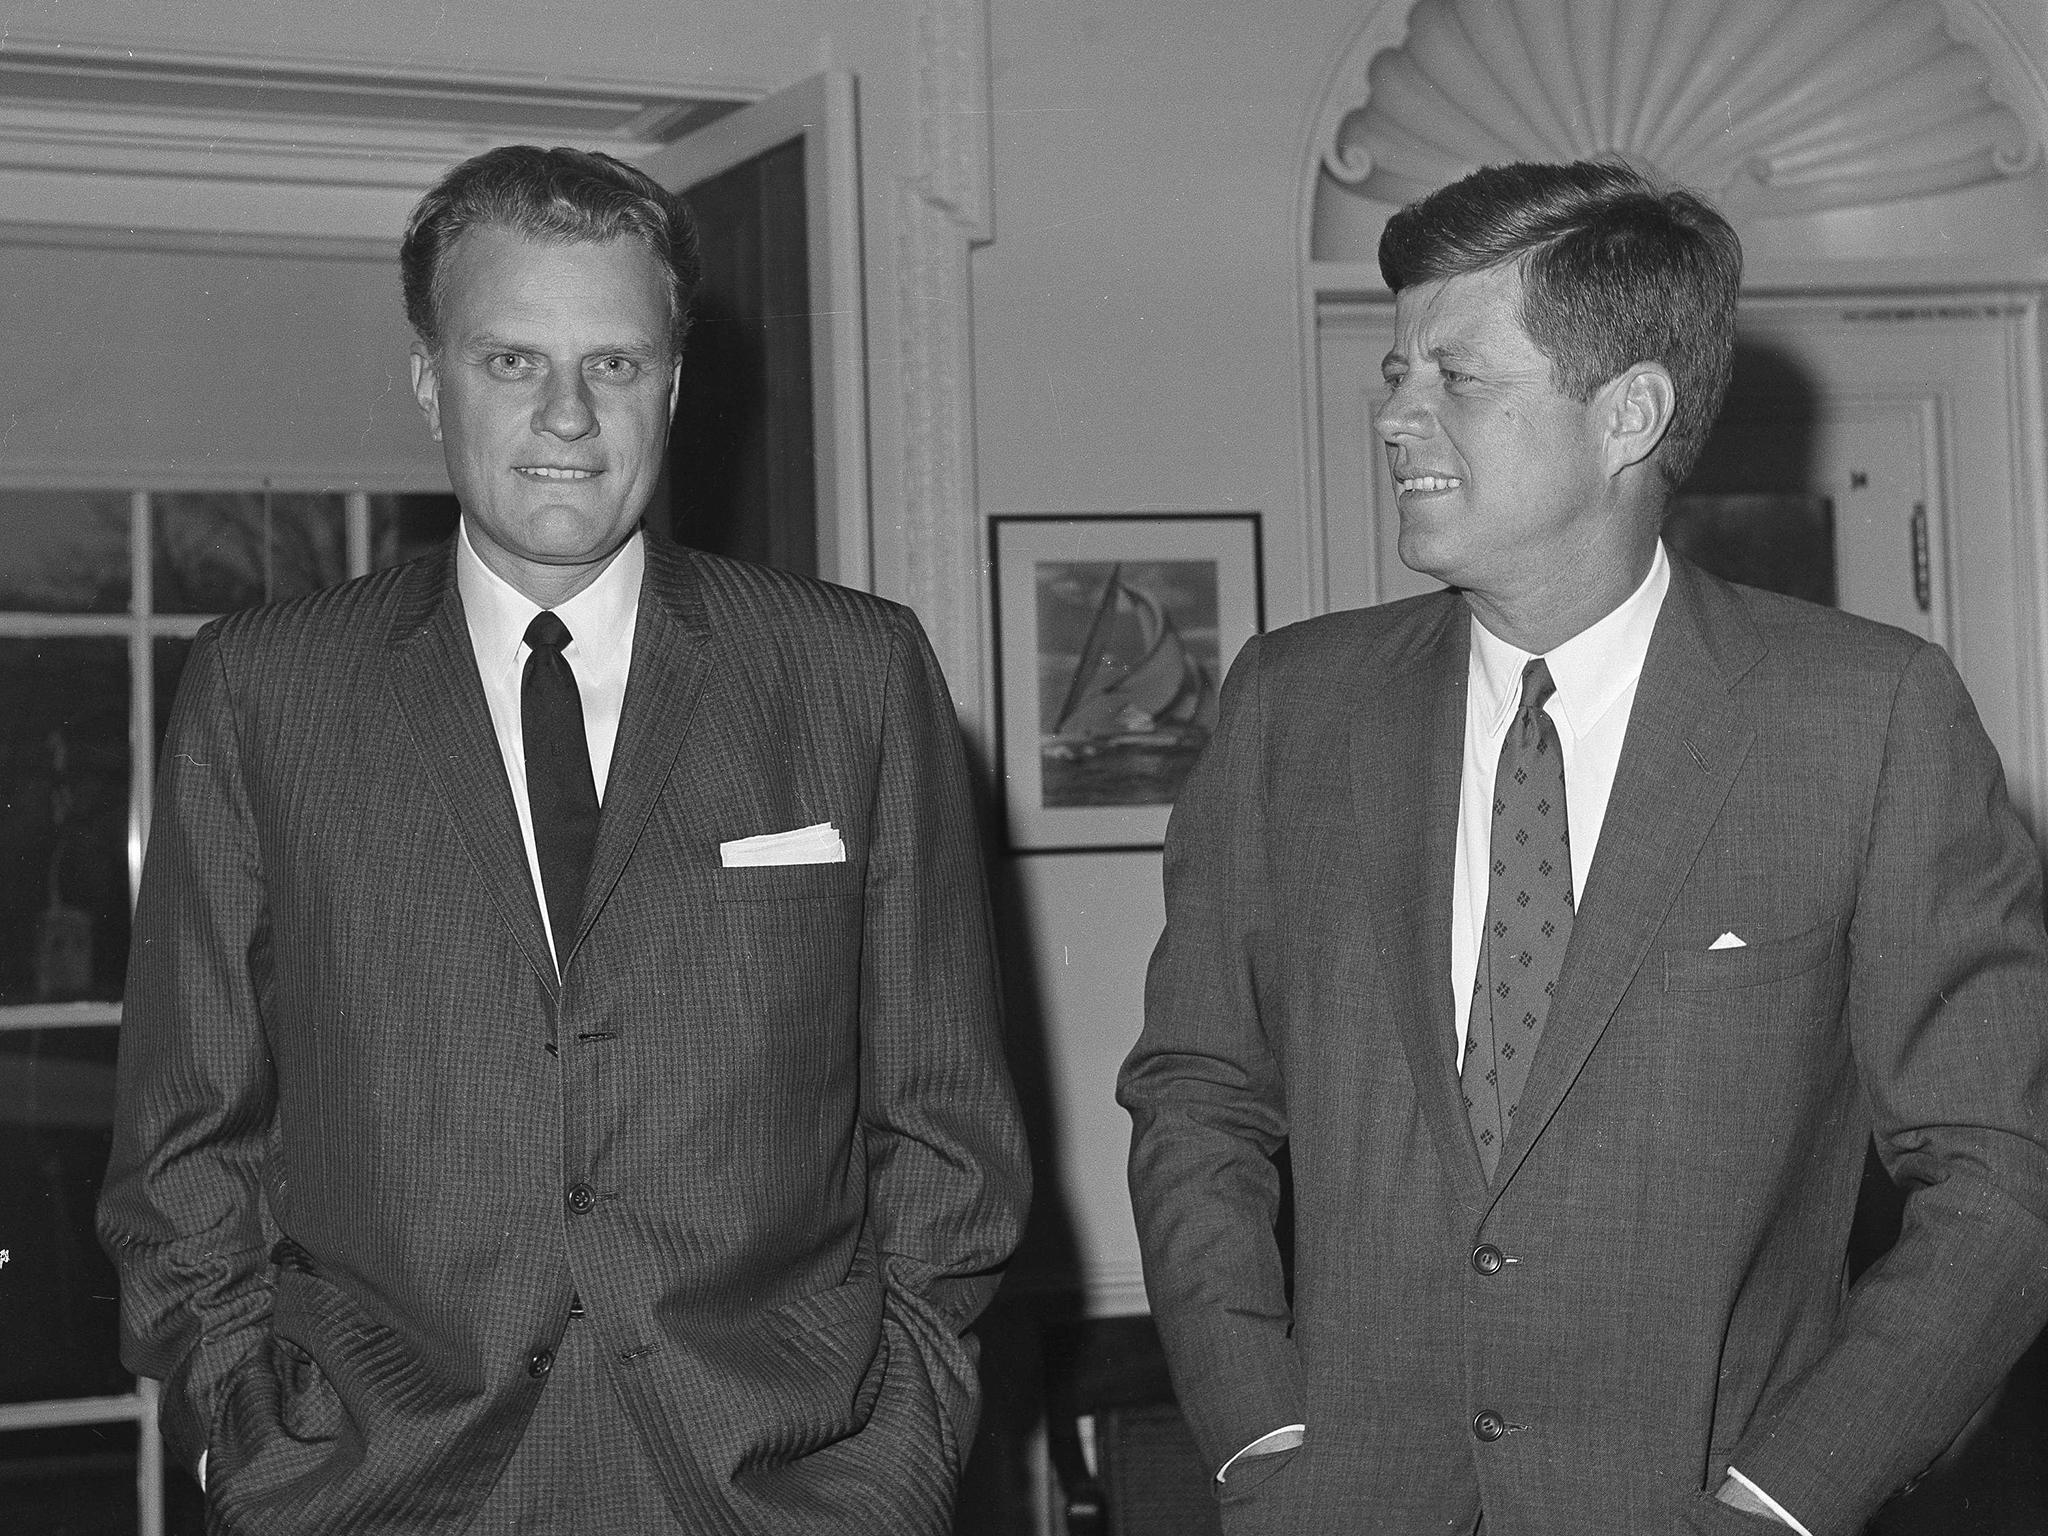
[195,368]
[1138,348]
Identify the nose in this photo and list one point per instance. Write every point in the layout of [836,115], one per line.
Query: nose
[1401,414]
[565,410]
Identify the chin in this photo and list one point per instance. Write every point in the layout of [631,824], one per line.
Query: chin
[1426,557]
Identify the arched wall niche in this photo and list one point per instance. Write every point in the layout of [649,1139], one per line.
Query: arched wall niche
[1829,131]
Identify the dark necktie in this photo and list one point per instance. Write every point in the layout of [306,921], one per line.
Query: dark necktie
[1528,918]
[558,783]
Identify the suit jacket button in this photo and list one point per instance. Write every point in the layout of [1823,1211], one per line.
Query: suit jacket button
[542,1362]
[1488,1425]
[582,1199]
[1487,1259]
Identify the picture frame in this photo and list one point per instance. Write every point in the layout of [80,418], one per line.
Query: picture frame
[1113,633]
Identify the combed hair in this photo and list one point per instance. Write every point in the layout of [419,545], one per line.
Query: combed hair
[547,194]
[1615,272]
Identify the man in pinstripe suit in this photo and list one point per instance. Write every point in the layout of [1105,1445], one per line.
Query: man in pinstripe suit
[462,1183]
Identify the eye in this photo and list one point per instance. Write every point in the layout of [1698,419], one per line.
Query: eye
[508,365]
[616,370]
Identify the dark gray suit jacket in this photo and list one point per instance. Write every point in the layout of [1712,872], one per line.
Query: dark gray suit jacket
[1673,1201]
[368,1147]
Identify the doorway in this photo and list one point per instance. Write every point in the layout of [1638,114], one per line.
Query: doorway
[768,457]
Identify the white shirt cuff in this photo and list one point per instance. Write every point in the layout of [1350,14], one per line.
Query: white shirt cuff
[202,1471]
[1285,1438]
[1770,1503]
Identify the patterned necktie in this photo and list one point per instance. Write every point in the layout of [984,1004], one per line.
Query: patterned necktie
[558,783]
[1528,918]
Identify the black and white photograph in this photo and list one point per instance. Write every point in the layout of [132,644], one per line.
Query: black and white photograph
[1013,768]
[1115,633]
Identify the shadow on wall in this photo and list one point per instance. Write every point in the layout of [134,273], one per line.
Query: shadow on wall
[997,1496]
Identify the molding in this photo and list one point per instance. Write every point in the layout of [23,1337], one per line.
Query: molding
[206,242]
[1834,106]
[1115,1289]
[84,473]
[943,210]
[190,144]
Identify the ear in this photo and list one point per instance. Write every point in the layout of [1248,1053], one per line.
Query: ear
[1636,406]
[426,387]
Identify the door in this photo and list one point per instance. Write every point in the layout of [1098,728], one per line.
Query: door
[769,457]
[1900,423]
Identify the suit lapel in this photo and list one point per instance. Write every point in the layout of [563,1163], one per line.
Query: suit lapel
[670,655]
[1410,731]
[1688,734]
[433,675]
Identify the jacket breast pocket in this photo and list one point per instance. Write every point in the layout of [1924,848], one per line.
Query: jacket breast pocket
[788,882]
[1748,965]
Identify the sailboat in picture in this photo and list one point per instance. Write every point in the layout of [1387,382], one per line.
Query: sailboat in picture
[1137,707]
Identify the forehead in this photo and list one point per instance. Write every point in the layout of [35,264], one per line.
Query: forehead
[1473,312]
[495,277]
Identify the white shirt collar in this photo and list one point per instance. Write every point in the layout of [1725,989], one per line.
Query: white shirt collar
[1592,669]
[597,618]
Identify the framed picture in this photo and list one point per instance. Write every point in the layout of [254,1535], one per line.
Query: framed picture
[1112,638]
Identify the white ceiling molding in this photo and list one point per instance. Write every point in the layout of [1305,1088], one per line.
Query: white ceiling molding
[227,150]
[1776,108]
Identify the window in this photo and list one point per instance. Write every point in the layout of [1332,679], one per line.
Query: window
[101,594]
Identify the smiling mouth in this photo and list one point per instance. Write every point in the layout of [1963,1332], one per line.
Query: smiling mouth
[555,472]
[1404,484]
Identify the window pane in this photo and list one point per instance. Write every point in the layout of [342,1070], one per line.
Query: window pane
[63,819]
[75,1480]
[56,1119]
[67,551]
[402,527]
[215,551]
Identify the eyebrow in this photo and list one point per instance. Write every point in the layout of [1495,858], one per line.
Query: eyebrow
[485,344]
[1454,351]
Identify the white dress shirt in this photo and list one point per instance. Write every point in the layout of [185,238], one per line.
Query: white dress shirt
[1596,673]
[600,620]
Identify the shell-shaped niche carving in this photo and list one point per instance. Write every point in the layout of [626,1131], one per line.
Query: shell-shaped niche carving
[1772,106]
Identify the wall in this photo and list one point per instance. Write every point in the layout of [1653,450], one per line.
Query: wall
[1138,348]
[195,367]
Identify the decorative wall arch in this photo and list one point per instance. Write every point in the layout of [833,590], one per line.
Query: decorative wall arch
[1797,116]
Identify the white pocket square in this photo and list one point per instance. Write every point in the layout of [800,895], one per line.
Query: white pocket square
[1729,940]
[817,844]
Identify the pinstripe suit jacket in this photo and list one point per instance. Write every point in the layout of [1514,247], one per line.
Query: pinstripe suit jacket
[1672,1203]
[357,1107]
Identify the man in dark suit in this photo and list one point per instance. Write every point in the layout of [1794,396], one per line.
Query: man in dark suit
[561,1086]
[1574,929]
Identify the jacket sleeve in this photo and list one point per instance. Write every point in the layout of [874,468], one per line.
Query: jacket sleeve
[1207,1105]
[948,1175]
[1948,1018]
[182,1211]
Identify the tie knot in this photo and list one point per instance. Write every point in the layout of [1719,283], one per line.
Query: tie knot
[1536,684]
[546,632]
